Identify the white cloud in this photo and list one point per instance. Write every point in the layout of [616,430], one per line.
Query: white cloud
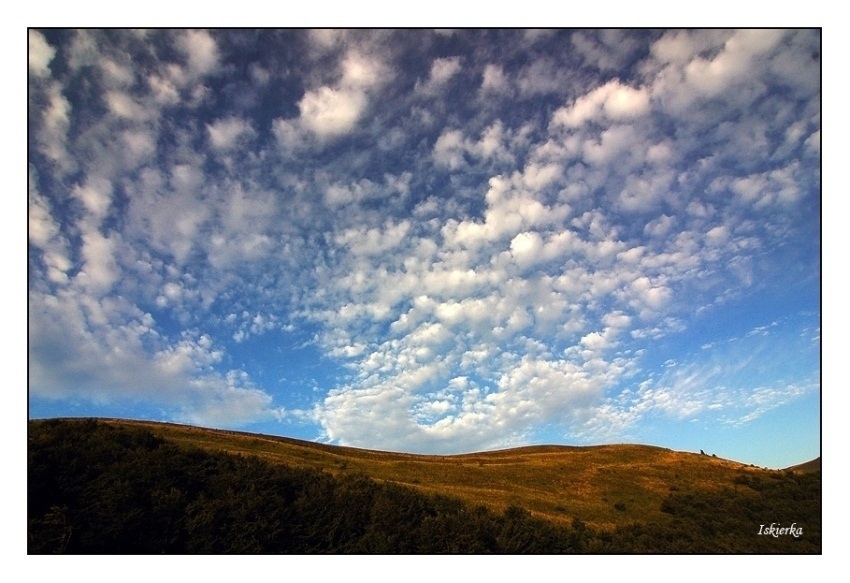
[331,112]
[469,269]
[711,76]
[660,226]
[44,233]
[96,196]
[163,89]
[41,227]
[645,192]
[452,148]
[708,388]
[717,236]
[167,211]
[765,188]
[442,70]
[606,49]
[224,134]
[526,248]
[449,149]
[649,295]
[813,143]
[123,105]
[612,101]
[325,39]
[84,51]
[542,76]
[40,54]
[407,412]
[373,241]
[616,141]
[339,194]
[201,52]
[53,135]
[536,177]
[733,66]
[99,270]
[494,80]
[117,75]
[680,46]
[138,147]
[104,350]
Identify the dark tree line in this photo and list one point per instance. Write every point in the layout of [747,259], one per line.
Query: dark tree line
[99,489]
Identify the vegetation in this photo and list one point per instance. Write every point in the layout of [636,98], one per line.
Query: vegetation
[557,483]
[109,487]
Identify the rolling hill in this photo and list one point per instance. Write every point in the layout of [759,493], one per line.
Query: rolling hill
[94,476]
[557,483]
[809,466]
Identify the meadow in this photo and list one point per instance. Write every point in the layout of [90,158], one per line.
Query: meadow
[182,485]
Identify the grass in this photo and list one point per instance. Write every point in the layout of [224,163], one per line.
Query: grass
[602,486]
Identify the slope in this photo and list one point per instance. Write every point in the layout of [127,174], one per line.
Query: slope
[602,486]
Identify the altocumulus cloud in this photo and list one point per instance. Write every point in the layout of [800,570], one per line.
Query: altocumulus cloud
[426,242]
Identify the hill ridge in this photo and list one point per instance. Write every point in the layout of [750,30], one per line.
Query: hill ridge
[117,486]
[529,448]
[602,485]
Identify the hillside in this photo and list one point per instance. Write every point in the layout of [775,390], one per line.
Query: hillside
[809,466]
[557,483]
[181,485]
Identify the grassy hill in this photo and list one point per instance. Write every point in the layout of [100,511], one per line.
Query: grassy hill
[809,466]
[171,488]
[603,486]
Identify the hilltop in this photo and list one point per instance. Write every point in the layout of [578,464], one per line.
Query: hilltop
[612,498]
[603,486]
[809,466]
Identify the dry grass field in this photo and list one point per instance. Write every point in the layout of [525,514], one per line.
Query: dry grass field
[603,486]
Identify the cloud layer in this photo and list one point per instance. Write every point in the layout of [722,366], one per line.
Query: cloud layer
[483,238]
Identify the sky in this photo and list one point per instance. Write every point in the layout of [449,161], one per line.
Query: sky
[431,241]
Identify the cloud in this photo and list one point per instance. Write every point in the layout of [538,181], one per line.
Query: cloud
[52,135]
[503,243]
[494,80]
[101,348]
[768,187]
[330,111]
[44,233]
[442,70]
[449,149]
[607,50]
[733,66]
[40,54]
[613,101]
[166,210]
[710,76]
[99,270]
[224,134]
[96,196]
[201,52]
[540,77]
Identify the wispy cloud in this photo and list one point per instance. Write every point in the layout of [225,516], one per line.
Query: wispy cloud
[478,234]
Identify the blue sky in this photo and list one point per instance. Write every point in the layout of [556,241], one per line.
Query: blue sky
[431,241]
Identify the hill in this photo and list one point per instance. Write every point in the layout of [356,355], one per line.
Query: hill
[120,486]
[603,486]
[557,483]
[809,466]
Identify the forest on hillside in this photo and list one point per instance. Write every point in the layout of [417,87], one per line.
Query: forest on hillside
[94,488]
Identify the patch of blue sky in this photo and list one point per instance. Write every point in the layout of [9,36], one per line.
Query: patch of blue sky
[429,241]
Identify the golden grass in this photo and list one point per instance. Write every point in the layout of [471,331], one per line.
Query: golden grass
[557,483]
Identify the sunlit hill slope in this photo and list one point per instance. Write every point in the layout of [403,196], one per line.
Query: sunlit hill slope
[603,486]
